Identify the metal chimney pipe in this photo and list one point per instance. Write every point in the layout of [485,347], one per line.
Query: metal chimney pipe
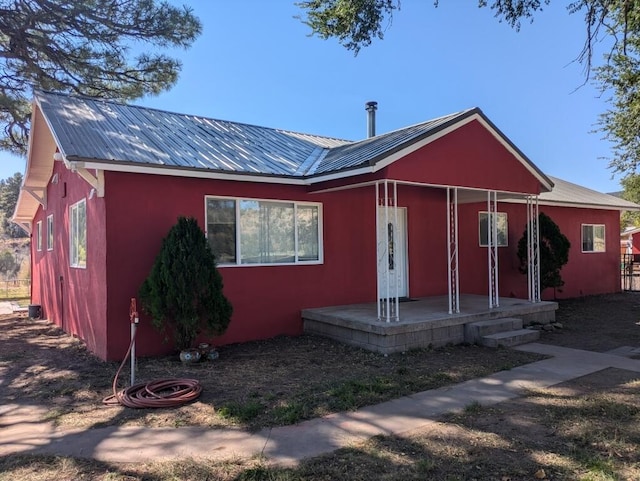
[371,108]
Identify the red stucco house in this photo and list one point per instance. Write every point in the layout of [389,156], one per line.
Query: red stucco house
[297,221]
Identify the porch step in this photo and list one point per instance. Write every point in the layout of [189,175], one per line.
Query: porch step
[510,338]
[475,331]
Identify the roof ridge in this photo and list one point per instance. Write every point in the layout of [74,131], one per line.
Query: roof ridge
[450,116]
[181,114]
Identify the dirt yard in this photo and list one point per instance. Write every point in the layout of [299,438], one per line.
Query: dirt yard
[269,383]
[587,429]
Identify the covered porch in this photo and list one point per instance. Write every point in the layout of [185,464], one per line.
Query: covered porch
[424,323]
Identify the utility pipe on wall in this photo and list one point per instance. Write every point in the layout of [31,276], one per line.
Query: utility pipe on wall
[133,317]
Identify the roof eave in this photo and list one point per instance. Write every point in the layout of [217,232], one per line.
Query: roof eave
[578,205]
[141,168]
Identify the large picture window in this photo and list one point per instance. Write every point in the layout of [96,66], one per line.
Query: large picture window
[503,228]
[593,238]
[78,234]
[252,231]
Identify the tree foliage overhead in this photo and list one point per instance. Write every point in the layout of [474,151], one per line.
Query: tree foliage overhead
[184,289]
[356,23]
[619,76]
[631,191]
[554,252]
[85,47]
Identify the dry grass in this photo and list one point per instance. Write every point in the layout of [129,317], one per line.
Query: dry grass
[269,383]
[587,429]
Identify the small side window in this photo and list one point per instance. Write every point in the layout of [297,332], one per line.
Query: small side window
[78,234]
[503,228]
[50,232]
[39,236]
[593,238]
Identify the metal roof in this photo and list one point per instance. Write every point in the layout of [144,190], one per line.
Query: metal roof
[87,129]
[93,129]
[568,194]
[101,134]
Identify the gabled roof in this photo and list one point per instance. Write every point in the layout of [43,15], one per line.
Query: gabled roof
[118,136]
[88,133]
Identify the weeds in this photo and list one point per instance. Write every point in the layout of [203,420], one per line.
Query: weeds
[473,408]
[241,412]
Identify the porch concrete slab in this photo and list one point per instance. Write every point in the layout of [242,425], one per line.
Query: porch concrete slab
[358,324]
[289,444]
[432,309]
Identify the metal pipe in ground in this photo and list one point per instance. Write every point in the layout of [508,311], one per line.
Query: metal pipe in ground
[133,317]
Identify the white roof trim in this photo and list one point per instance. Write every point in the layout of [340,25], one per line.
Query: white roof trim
[577,205]
[200,174]
[456,125]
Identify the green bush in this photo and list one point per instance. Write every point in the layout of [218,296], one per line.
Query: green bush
[184,289]
[554,252]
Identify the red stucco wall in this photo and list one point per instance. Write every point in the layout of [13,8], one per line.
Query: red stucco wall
[125,230]
[74,299]
[584,274]
[467,157]
[267,299]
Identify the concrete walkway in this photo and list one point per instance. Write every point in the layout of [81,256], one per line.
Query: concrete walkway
[20,430]
[7,307]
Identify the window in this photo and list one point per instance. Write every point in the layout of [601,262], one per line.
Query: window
[39,236]
[593,238]
[78,234]
[250,231]
[503,228]
[50,232]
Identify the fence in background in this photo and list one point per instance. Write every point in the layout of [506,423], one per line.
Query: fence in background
[15,288]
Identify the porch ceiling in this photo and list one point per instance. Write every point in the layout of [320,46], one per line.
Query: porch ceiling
[472,196]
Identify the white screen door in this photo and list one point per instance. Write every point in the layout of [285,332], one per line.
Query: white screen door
[396,256]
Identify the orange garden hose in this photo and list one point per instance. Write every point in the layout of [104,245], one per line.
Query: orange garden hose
[163,393]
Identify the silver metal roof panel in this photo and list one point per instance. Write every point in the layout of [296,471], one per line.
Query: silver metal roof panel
[566,193]
[92,129]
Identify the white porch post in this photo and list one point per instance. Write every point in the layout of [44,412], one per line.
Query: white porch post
[452,250]
[492,247]
[386,245]
[533,249]
[378,255]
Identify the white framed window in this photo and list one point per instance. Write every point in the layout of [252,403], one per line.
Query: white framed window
[503,229]
[593,238]
[78,234]
[39,236]
[50,232]
[264,232]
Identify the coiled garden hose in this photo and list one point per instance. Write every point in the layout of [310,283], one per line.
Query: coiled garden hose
[163,393]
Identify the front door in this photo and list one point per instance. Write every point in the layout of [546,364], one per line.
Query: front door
[395,257]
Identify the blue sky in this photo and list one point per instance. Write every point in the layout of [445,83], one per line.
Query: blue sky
[255,63]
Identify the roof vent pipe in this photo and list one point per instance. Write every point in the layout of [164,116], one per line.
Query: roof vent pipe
[371,108]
